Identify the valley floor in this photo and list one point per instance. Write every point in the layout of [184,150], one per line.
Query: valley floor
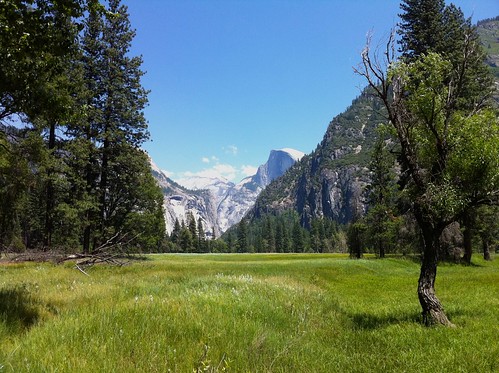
[246,313]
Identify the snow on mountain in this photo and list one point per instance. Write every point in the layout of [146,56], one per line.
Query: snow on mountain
[277,164]
[295,154]
[217,201]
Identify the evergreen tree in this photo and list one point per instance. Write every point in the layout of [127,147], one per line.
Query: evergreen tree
[115,124]
[281,237]
[38,43]
[175,232]
[185,239]
[242,236]
[430,26]
[298,239]
[268,234]
[355,238]
[381,227]
[421,28]
[201,236]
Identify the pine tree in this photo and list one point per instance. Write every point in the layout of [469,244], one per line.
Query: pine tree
[201,236]
[297,238]
[381,216]
[421,28]
[192,227]
[116,125]
[38,43]
[175,232]
[242,236]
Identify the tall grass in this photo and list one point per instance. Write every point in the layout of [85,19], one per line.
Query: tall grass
[245,313]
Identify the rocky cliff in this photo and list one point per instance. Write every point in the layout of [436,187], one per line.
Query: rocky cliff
[330,181]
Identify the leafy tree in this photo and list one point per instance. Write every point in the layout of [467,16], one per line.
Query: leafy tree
[450,151]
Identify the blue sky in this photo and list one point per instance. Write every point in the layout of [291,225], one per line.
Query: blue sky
[231,80]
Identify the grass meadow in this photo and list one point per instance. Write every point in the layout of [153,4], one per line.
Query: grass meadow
[246,313]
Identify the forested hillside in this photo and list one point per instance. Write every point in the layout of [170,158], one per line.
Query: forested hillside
[488,30]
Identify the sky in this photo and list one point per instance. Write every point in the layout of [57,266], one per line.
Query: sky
[231,80]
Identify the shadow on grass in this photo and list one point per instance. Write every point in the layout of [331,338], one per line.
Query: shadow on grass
[368,321]
[18,309]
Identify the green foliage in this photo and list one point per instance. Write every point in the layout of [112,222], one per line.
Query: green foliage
[382,221]
[421,27]
[73,175]
[458,151]
[440,80]
[283,233]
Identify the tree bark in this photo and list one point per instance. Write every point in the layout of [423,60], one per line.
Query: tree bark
[49,194]
[467,236]
[86,240]
[432,310]
[486,249]
[381,250]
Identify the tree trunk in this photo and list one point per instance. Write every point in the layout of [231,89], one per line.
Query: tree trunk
[49,195]
[432,310]
[103,187]
[486,249]
[86,240]
[467,236]
[381,249]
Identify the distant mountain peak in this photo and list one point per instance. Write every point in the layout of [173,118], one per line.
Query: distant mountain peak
[296,154]
[278,163]
[217,201]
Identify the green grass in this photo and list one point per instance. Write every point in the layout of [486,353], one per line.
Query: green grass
[246,313]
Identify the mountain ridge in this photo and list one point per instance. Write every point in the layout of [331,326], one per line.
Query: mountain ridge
[219,203]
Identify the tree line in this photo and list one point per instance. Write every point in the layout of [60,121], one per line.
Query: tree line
[284,233]
[72,174]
